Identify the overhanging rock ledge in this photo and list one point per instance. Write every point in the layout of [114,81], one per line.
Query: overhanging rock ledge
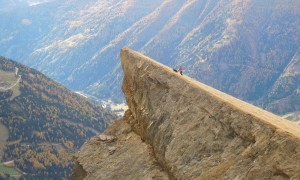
[191,131]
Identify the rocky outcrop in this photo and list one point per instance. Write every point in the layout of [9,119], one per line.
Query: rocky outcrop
[188,130]
[118,153]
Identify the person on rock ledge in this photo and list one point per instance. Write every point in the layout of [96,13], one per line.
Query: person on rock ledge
[180,70]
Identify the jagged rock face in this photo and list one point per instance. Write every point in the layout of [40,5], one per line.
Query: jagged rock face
[124,156]
[178,128]
[199,132]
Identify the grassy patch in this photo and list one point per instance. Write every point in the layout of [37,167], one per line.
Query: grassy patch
[8,79]
[9,171]
[7,76]
[16,92]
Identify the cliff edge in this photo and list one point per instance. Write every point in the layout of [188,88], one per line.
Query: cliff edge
[178,128]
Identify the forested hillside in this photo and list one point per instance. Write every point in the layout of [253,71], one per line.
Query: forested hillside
[46,122]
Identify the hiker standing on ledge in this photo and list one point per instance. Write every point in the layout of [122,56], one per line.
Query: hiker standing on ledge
[181,70]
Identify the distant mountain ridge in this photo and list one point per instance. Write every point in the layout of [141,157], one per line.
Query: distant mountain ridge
[46,122]
[243,48]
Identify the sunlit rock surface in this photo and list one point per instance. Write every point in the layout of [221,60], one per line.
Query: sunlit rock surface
[190,131]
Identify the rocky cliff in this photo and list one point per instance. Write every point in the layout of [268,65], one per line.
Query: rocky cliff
[178,128]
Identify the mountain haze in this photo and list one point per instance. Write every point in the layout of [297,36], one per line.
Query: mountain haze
[249,49]
[45,122]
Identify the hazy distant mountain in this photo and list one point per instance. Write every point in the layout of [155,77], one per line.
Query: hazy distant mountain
[46,122]
[285,93]
[245,48]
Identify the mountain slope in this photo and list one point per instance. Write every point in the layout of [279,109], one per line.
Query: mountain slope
[285,94]
[179,128]
[239,47]
[46,122]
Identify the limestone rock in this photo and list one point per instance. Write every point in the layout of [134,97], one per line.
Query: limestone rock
[199,132]
[125,158]
[189,131]
[111,149]
[109,138]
